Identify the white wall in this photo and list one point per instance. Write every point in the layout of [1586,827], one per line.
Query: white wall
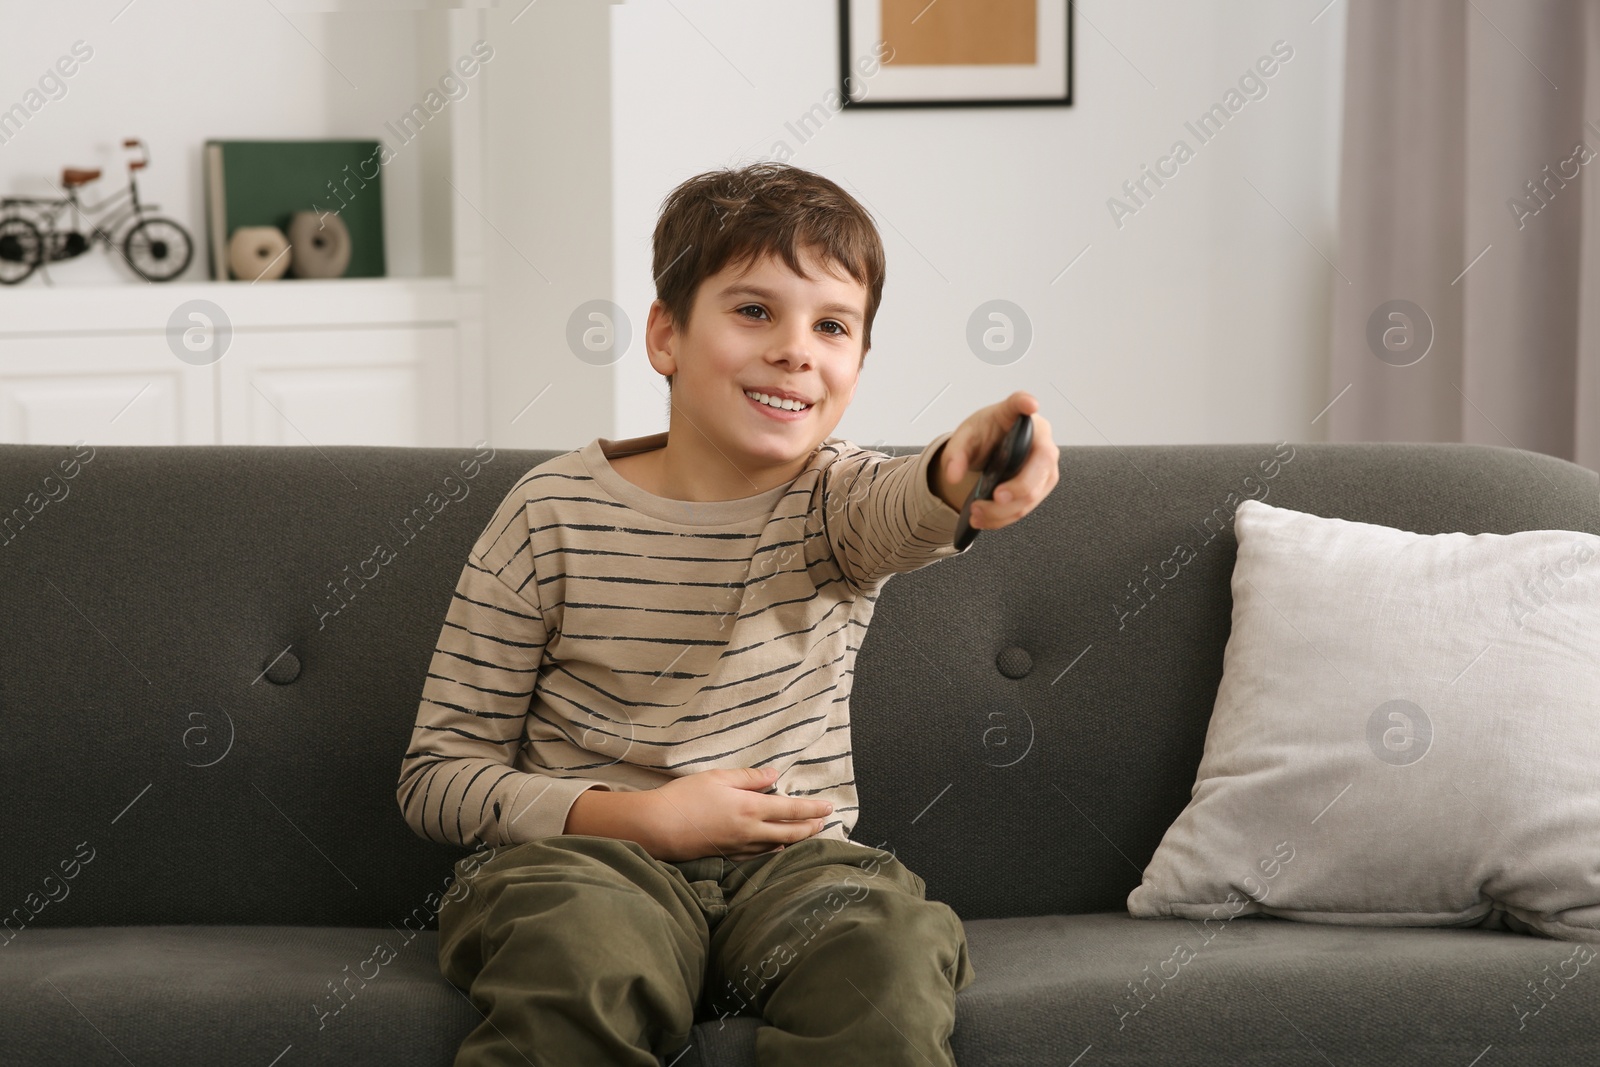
[1204,318]
[548,203]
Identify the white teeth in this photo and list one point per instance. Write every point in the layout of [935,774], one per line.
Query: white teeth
[775,402]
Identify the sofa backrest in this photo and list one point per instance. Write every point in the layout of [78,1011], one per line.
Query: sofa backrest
[209,673]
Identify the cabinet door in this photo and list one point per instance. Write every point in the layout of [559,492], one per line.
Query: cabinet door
[123,390]
[340,386]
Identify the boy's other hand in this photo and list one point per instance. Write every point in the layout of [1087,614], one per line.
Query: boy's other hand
[965,453]
[723,812]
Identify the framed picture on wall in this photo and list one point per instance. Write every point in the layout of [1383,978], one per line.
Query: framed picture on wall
[954,53]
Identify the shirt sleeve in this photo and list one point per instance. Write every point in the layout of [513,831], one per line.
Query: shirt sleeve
[883,518]
[457,783]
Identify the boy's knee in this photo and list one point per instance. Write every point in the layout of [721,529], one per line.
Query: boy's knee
[898,918]
[911,917]
[904,941]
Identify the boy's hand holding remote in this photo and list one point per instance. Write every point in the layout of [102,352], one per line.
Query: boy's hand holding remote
[639,704]
[971,447]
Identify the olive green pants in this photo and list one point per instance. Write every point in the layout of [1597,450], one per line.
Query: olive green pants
[587,950]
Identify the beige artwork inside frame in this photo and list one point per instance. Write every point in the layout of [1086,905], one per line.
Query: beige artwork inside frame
[972,32]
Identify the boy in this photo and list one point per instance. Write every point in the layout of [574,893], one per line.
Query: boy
[640,696]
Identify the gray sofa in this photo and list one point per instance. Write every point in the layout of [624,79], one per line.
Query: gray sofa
[209,672]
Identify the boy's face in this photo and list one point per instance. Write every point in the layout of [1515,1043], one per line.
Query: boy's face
[763,329]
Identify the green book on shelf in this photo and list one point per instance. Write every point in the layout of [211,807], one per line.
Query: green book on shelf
[264,183]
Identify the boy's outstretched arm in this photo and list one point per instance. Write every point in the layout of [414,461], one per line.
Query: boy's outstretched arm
[884,516]
[961,459]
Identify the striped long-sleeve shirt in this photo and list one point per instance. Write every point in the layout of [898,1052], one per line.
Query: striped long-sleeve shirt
[603,636]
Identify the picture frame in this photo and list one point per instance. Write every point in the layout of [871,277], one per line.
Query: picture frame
[955,53]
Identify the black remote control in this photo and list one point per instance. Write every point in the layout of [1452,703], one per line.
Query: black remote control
[1004,463]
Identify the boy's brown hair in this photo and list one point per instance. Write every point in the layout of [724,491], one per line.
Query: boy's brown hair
[736,215]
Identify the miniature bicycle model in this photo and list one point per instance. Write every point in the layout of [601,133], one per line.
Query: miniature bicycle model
[157,248]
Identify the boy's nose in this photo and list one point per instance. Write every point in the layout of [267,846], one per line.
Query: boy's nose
[794,348]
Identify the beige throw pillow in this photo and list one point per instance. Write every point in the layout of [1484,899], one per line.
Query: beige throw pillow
[1407,733]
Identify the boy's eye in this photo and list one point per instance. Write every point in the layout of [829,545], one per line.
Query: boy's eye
[826,322]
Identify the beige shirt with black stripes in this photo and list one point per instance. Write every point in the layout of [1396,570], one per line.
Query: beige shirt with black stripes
[604,636]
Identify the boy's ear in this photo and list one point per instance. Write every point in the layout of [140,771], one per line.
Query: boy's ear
[660,338]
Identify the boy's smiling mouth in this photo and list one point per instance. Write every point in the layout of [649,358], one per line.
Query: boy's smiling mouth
[777,407]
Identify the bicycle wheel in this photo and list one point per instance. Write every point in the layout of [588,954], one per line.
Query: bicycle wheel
[21,249]
[158,249]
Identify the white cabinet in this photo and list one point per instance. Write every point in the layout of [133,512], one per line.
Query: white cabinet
[344,362]
[351,387]
[103,389]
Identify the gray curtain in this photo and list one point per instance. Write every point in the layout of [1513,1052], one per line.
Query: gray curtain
[1469,209]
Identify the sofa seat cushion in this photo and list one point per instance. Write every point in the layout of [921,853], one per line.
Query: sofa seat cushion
[208,995]
[1261,991]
